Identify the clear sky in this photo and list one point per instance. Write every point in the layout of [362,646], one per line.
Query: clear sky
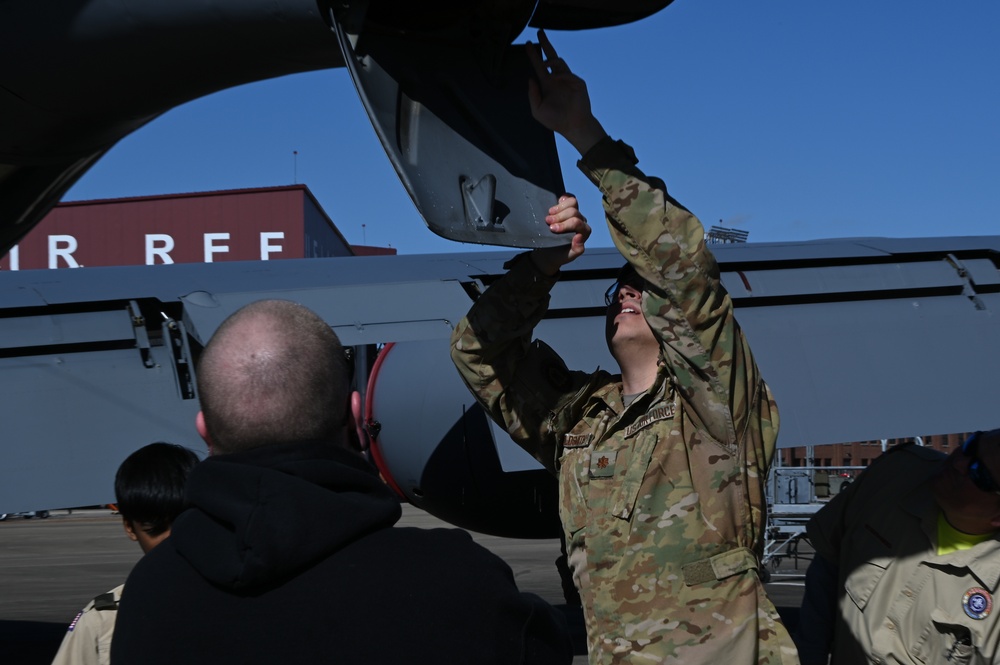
[792,119]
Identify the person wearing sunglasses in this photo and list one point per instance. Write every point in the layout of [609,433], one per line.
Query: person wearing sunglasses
[662,467]
[907,561]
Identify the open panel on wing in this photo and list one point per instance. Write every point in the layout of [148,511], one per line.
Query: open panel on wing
[79,76]
[860,340]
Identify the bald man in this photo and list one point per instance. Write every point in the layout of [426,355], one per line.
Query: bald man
[290,553]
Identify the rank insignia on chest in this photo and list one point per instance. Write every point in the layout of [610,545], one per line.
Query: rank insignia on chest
[602,464]
[977,603]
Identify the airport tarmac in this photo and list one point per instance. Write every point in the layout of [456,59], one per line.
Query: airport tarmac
[50,568]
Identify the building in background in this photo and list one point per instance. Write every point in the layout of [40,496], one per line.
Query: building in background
[861,453]
[260,224]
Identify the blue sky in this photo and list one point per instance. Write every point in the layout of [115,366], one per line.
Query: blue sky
[791,119]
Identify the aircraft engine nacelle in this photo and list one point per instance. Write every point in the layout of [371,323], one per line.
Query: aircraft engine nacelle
[442,453]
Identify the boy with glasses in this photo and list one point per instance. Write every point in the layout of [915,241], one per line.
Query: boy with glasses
[661,467]
[908,561]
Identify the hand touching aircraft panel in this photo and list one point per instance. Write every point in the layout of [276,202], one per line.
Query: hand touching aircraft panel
[79,76]
[860,340]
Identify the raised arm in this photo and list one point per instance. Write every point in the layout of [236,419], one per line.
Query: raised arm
[685,304]
[559,98]
[519,382]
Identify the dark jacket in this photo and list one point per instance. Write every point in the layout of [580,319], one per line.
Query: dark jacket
[289,555]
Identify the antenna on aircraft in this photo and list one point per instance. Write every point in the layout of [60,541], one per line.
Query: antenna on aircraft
[720,235]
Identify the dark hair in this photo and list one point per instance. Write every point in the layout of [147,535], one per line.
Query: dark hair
[149,485]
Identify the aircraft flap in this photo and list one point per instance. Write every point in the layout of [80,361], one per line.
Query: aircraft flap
[22,332]
[377,313]
[459,132]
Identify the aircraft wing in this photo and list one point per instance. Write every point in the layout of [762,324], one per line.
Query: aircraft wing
[860,339]
[79,76]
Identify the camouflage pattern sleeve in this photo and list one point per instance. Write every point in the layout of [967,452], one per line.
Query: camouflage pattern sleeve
[523,385]
[686,304]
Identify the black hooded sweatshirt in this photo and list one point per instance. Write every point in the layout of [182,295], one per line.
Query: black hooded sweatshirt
[290,555]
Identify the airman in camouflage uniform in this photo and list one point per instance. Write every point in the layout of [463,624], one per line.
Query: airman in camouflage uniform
[662,469]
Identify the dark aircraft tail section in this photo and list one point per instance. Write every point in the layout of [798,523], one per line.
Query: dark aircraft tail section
[79,76]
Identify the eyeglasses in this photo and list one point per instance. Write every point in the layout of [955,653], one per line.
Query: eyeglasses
[978,473]
[611,295]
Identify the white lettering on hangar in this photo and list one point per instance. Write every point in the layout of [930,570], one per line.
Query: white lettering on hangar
[158,248]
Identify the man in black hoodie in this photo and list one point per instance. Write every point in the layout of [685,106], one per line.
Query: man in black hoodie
[289,553]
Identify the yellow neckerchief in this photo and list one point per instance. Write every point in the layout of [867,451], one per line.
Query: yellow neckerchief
[950,539]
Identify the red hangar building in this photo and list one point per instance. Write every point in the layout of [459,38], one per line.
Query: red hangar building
[261,224]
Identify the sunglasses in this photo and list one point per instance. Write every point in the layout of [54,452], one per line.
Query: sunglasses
[978,473]
[611,295]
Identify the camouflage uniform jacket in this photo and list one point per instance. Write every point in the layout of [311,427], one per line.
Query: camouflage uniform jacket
[662,501]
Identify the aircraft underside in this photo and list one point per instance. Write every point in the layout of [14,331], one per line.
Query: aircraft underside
[80,76]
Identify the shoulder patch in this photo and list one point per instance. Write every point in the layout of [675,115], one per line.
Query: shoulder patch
[106,601]
[558,376]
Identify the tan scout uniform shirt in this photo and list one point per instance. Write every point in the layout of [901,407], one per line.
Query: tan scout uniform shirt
[88,640]
[901,602]
[662,502]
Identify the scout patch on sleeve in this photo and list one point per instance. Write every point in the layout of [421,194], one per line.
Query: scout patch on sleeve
[557,375]
[602,464]
[75,621]
[576,440]
[652,416]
